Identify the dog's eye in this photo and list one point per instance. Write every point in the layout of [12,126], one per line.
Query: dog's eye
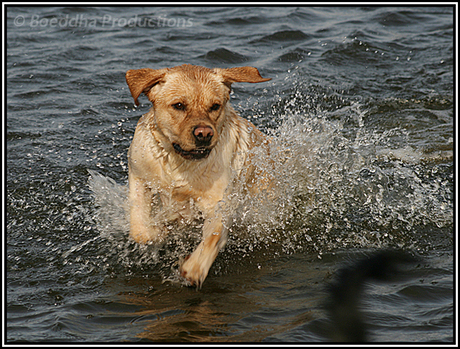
[179,106]
[215,107]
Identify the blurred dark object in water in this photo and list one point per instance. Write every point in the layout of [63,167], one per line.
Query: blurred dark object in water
[346,291]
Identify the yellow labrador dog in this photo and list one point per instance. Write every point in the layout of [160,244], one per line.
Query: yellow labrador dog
[187,150]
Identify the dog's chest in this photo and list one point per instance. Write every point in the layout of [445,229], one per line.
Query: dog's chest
[202,189]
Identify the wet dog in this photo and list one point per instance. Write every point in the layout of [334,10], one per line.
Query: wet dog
[187,150]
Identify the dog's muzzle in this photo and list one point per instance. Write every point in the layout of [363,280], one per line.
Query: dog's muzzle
[194,154]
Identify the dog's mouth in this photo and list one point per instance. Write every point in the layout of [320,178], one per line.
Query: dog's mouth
[195,154]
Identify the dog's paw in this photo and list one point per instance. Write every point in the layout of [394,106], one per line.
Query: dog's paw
[143,234]
[193,272]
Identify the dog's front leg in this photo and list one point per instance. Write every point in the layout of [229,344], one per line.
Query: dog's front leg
[140,201]
[197,265]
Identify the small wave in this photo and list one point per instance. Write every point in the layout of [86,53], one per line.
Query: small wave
[226,56]
[295,55]
[284,35]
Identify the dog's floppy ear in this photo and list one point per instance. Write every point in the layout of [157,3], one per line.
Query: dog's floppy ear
[240,74]
[142,80]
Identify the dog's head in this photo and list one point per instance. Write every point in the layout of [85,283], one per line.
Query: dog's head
[190,103]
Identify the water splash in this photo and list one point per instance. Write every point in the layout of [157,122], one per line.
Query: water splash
[338,184]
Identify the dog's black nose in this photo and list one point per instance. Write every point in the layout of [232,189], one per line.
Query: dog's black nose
[203,135]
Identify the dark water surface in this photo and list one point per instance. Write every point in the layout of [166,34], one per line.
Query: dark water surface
[361,98]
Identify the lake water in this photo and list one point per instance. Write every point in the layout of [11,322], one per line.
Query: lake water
[361,102]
